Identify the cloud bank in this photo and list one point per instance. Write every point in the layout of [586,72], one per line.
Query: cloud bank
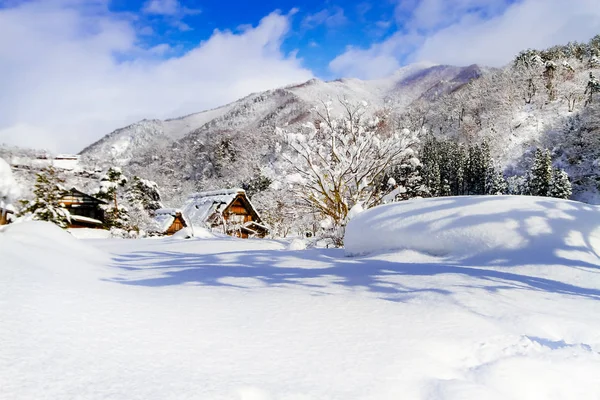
[72,71]
[464,32]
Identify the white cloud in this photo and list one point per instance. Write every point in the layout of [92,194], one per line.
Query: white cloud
[463,32]
[167,7]
[69,75]
[331,18]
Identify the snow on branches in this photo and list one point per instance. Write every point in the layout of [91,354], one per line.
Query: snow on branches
[9,190]
[339,161]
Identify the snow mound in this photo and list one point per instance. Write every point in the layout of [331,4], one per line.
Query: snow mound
[509,228]
[185,233]
[297,244]
[55,248]
[201,232]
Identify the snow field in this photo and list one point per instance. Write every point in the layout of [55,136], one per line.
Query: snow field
[223,318]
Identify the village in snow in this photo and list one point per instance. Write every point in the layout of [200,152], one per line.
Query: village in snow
[429,233]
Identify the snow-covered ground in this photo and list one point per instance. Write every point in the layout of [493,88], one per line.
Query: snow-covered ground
[223,318]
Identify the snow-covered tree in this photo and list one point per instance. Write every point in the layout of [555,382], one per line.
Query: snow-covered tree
[339,161]
[540,176]
[404,182]
[116,215]
[143,194]
[516,185]
[561,185]
[143,197]
[9,189]
[592,88]
[495,184]
[46,205]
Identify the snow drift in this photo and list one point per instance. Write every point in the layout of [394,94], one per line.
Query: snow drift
[43,245]
[506,228]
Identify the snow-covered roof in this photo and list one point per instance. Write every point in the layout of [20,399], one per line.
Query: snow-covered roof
[164,218]
[80,218]
[200,206]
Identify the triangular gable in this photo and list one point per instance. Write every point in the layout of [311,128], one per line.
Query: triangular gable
[243,199]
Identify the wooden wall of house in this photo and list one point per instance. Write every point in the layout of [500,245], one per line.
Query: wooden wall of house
[177,225]
[238,208]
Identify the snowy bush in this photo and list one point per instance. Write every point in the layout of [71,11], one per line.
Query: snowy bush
[9,189]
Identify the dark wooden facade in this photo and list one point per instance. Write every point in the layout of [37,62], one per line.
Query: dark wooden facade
[86,211]
[5,216]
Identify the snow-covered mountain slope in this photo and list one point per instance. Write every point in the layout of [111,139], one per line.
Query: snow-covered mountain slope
[231,319]
[126,143]
[282,107]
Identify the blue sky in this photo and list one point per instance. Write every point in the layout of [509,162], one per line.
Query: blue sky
[319,30]
[72,71]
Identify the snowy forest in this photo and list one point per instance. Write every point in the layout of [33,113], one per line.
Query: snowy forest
[530,128]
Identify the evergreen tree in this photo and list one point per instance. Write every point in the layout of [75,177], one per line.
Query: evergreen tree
[495,182]
[116,215]
[517,185]
[430,171]
[143,194]
[592,88]
[561,185]
[46,205]
[144,198]
[540,176]
[404,181]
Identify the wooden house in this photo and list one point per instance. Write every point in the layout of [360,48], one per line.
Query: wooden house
[86,211]
[5,216]
[169,221]
[228,211]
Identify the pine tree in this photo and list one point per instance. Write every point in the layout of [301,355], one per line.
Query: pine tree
[540,176]
[116,215]
[495,182]
[143,194]
[592,88]
[48,192]
[404,182]
[561,185]
[430,171]
[144,198]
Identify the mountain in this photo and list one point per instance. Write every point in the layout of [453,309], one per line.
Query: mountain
[285,106]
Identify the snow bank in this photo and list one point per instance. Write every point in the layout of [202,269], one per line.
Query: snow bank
[41,244]
[89,233]
[509,227]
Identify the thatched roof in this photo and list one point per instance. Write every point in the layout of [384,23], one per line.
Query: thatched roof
[200,207]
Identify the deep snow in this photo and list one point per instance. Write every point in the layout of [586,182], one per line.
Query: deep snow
[228,318]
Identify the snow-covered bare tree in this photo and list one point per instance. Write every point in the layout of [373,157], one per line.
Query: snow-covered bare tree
[339,161]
